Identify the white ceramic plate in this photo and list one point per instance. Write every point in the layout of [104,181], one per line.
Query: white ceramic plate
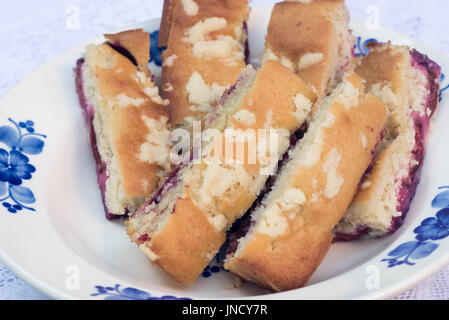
[68,249]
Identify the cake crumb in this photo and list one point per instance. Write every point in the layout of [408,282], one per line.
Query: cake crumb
[237,283]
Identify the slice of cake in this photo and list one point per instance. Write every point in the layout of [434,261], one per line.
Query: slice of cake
[289,230]
[182,228]
[408,82]
[126,118]
[206,44]
[312,39]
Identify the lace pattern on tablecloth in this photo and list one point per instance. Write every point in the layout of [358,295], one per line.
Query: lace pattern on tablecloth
[434,288]
[11,287]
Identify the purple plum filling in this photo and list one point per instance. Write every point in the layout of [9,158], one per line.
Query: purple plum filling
[89,114]
[409,184]
[143,238]
[124,52]
[243,225]
[245,31]
[239,230]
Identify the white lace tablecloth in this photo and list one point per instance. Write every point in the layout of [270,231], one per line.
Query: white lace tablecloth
[32,32]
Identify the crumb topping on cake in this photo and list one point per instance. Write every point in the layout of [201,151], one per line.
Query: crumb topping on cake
[291,198]
[238,32]
[364,140]
[190,7]
[309,59]
[302,106]
[156,148]
[273,222]
[334,180]
[218,221]
[168,62]
[266,150]
[123,101]
[349,96]
[149,88]
[201,30]
[269,55]
[153,93]
[229,176]
[222,47]
[202,94]
[246,117]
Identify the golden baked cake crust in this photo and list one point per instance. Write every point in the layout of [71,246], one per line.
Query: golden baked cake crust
[292,230]
[217,61]
[312,39]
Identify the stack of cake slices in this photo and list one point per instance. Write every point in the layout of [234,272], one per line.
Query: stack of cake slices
[312,147]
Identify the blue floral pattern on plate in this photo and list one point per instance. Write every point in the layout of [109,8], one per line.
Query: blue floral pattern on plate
[155,50]
[361,47]
[430,230]
[210,270]
[21,139]
[129,293]
[443,78]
